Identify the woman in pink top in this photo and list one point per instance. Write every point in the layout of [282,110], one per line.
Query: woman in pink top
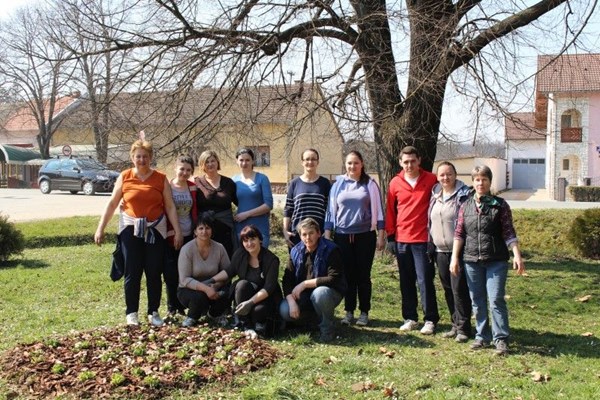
[144,195]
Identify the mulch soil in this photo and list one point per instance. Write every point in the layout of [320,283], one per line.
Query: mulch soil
[127,362]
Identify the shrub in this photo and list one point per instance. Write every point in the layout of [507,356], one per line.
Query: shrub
[585,193]
[12,241]
[584,233]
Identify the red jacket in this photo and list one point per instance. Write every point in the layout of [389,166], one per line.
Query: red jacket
[406,214]
[194,212]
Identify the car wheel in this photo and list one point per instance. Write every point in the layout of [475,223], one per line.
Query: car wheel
[45,186]
[88,189]
[74,191]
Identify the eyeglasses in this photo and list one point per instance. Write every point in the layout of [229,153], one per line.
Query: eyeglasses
[311,159]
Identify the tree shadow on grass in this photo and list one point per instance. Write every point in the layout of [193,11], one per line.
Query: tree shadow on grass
[66,241]
[566,265]
[550,344]
[24,263]
[383,332]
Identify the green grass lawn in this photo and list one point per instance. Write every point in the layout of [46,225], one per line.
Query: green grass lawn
[61,284]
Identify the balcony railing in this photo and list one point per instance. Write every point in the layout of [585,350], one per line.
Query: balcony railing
[570,135]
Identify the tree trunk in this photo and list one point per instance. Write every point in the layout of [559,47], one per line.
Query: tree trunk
[416,120]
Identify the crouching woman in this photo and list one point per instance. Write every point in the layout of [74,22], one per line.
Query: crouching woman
[313,281]
[256,293]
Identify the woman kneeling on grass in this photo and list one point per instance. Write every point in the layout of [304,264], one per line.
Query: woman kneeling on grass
[199,260]
[485,230]
[257,293]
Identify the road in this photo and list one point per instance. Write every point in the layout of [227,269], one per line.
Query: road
[30,204]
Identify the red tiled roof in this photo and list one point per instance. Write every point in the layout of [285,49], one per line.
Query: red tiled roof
[568,73]
[520,126]
[22,119]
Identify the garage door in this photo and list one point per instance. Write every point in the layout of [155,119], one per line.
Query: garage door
[528,173]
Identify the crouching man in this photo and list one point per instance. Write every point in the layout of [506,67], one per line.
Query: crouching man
[313,281]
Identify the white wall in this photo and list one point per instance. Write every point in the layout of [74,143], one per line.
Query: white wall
[523,149]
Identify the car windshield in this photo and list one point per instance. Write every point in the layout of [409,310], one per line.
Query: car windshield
[90,164]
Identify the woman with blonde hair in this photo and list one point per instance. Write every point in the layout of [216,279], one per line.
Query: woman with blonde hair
[216,194]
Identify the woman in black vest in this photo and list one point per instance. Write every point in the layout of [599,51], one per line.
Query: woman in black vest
[485,230]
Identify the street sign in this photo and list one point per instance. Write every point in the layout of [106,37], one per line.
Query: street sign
[67,150]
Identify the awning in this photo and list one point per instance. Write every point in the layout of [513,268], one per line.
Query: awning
[17,155]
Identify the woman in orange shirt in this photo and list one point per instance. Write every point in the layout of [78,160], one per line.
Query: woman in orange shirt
[144,195]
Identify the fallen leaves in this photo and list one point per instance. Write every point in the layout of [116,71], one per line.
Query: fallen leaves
[539,377]
[585,298]
[363,386]
[126,362]
[331,360]
[386,352]
[587,334]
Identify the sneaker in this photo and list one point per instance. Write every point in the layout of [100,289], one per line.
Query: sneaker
[363,319]
[132,319]
[450,334]
[250,334]
[260,328]
[409,325]
[428,328]
[348,319]
[479,344]
[188,322]
[327,337]
[220,321]
[461,338]
[501,347]
[155,320]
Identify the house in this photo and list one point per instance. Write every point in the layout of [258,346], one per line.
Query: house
[464,167]
[278,122]
[567,112]
[20,159]
[525,152]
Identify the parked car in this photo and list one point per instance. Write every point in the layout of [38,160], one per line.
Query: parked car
[75,175]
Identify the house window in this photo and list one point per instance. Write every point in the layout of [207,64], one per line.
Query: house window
[565,164]
[262,155]
[570,126]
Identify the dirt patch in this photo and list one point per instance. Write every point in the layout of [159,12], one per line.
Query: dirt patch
[127,362]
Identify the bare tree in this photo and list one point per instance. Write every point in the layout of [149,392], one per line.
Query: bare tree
[35,71]
[356,49]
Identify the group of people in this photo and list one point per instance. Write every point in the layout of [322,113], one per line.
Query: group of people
[214,259]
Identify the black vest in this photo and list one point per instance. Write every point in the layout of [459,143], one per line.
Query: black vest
[484,240]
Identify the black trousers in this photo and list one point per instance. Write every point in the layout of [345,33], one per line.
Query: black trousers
[456,292]
[171,276]
[198,303]
[263,311]
[358,251]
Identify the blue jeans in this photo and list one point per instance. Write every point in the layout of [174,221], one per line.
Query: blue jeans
[487,282]
[414,267]
[321,301]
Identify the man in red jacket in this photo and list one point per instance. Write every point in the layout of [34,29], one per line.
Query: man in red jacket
[406,224]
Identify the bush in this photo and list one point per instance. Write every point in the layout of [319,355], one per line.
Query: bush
[11,239]
[584,233]
[585,193]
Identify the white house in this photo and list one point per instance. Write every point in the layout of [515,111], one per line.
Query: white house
[525,152]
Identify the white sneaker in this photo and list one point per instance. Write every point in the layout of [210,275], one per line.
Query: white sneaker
[428,328]
[409,325]
[132,319]
[155,320]
[188,322]
[348,319]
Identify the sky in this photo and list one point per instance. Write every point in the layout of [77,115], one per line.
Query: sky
[457,117]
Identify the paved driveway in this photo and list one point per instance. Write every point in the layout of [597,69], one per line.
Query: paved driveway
[30,204]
